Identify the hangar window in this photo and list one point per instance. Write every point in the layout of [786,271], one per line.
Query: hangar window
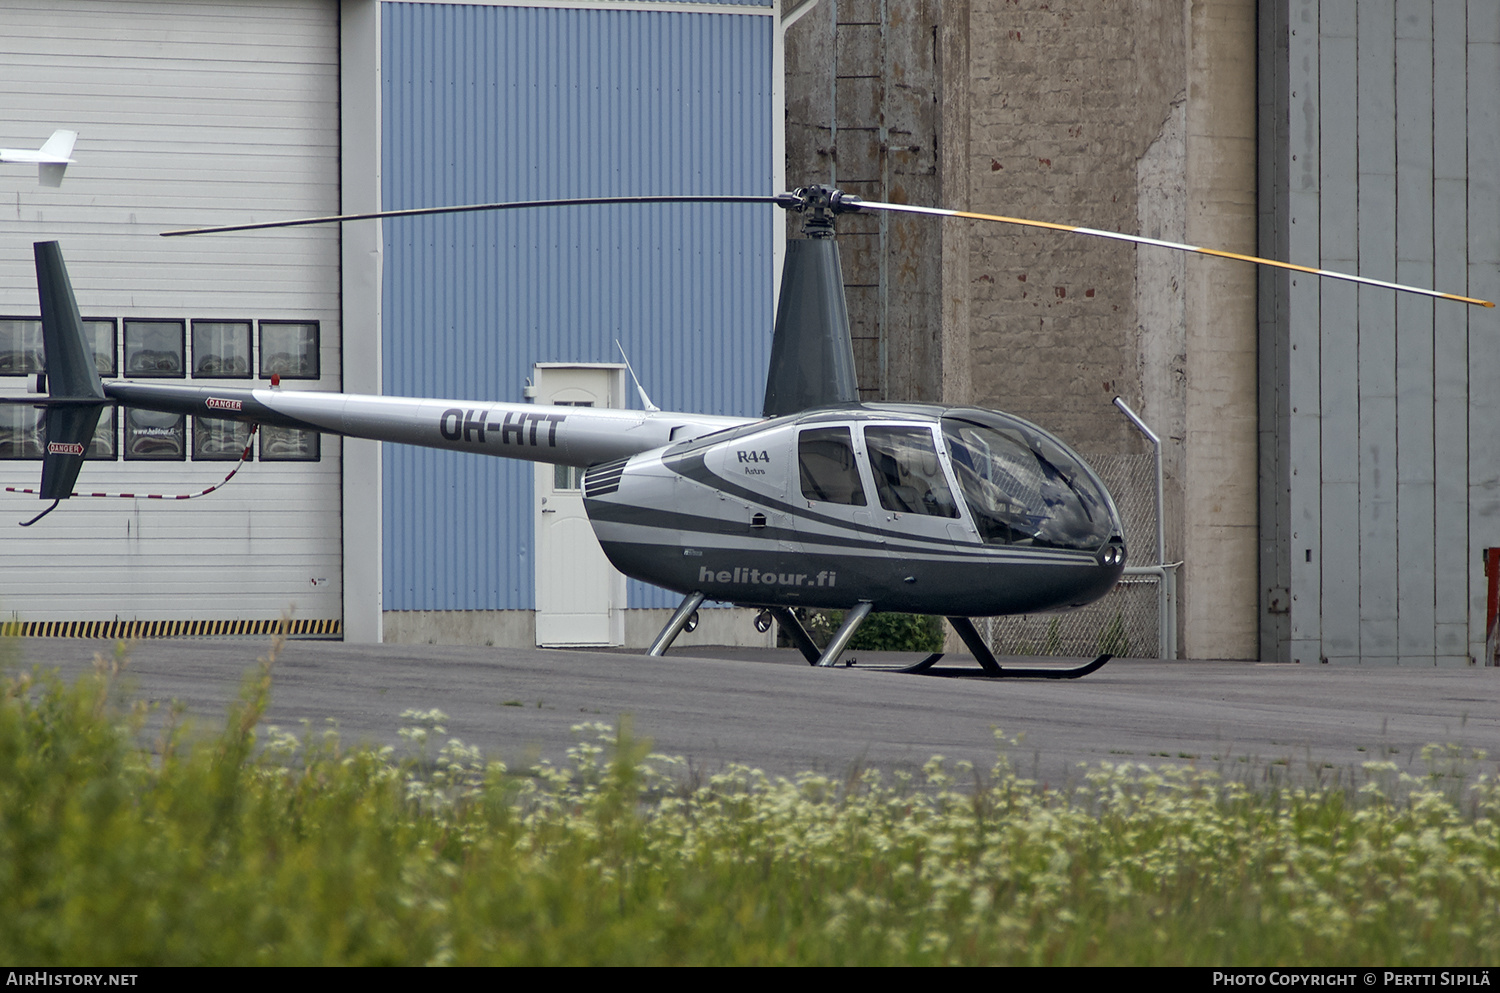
[289,349]
[221,349]
[104,448]
[154,348]
[154,436]
[100,332]
[20,346]
[20,432]
[825,460]
[23,434]
[288,444]
[216,440]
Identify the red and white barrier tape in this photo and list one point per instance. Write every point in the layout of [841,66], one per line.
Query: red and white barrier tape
[164,496]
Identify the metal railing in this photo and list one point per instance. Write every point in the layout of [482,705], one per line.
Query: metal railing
[1138,618]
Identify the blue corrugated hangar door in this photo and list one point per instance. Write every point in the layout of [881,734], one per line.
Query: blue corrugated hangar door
[486,103]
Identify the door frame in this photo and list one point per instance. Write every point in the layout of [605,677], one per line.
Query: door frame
[543,475]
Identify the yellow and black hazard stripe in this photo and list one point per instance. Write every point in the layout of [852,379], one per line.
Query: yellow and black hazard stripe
[136,630]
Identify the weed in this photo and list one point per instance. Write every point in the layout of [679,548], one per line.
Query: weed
[257,846]
[1113,640]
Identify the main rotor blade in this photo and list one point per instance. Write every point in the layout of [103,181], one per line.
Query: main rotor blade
[1177,246]
[465,209]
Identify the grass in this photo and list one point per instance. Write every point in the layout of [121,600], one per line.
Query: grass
[255,846]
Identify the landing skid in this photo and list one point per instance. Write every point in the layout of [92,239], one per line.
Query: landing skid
[988,665]
[685,619]
[991,666]
[928,667]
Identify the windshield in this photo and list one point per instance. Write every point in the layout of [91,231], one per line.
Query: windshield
[1024,487]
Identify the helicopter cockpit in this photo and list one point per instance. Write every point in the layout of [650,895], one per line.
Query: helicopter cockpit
[1020,485]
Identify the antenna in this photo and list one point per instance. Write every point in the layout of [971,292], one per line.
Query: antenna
[645,400]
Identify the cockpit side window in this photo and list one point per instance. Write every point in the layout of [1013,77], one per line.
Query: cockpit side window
[908,476]
[1024,488]
[825,461]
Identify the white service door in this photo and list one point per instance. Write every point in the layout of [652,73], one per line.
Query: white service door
[580,597]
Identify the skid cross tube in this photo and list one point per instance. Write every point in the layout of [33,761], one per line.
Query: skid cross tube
[824,657]
[690,603]
[797,633]
[852,620]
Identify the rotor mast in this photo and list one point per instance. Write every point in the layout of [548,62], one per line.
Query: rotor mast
[812,354]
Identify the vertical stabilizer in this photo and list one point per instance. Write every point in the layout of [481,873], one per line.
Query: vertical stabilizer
[70,360]
[71,376]
[50,173]
[54,157]
[58,147]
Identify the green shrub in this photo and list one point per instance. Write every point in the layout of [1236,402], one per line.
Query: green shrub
[881,632]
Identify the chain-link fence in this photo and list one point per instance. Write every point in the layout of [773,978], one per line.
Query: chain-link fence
[1125,622]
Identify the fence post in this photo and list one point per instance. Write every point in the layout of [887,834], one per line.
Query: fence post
[1491,605]
[1167,590]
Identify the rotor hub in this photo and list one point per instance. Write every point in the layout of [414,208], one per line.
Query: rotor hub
[819,206]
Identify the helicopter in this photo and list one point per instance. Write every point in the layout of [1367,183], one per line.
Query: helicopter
[51,159]
[821,502]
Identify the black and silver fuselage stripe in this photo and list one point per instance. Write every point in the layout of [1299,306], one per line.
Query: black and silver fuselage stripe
[693,467]
[646,524]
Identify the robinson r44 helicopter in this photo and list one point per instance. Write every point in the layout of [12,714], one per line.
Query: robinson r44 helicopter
[822,502]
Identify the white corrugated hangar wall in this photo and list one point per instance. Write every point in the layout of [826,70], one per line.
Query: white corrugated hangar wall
[188,114]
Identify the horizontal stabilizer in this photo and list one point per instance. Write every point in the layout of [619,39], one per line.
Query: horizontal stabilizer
[43,403]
